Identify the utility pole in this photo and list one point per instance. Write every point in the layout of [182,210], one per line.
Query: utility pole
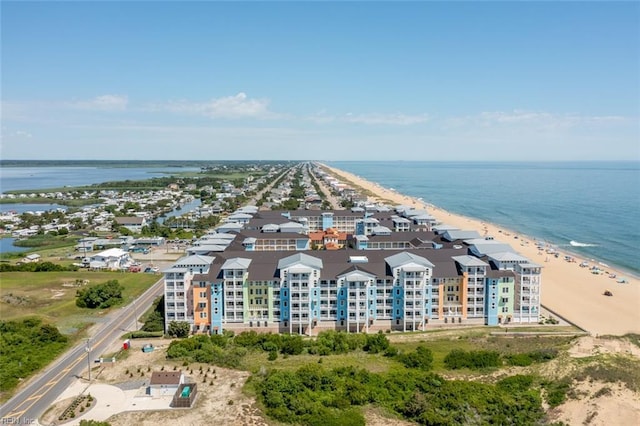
[88,351]
[135,316]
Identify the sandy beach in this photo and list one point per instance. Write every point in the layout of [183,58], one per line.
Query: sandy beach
[571,291]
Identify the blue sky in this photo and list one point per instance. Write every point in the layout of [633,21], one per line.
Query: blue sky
[321,80]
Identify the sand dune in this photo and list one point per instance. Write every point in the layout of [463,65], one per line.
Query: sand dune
[571,291]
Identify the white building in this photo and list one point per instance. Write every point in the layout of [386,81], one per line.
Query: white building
[178,291]
[113,258]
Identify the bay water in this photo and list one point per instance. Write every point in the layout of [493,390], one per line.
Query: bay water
[35,178]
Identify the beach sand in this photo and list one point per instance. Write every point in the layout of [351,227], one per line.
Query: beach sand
[571,291]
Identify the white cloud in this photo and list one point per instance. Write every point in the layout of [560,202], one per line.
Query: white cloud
[528,119]
[17,134]
[22,134]
[391,119]
[237,106]
[397,119]
[102,103]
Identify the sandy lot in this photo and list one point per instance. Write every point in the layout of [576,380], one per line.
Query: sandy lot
[120,393]
[121,399]
[600,403]
[567,289]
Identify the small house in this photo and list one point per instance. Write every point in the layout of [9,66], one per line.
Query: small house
[165,383]
[31,258]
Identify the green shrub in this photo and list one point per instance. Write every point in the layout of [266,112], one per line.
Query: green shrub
[100,296]
[556,392]
[474,360]
[517,383]
[421,358]
[179,329]
[519,360]
[376,343]
[25,347]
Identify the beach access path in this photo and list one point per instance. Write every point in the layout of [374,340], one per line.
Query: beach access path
[571,291]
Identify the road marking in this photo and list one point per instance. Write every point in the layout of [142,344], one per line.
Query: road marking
[15,414]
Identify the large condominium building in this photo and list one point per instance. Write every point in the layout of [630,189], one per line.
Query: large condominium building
[352,290]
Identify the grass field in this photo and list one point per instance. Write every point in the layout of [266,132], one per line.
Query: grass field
[378,363]
[43,200]
[51,295]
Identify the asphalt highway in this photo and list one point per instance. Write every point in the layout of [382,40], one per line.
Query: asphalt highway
[40,392]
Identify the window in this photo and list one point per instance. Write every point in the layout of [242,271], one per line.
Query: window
[203,314]
[505,300]
[505,289]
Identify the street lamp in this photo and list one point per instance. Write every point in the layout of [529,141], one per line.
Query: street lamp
[88,351]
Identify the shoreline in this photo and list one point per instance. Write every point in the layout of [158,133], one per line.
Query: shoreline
[565,249]
[568,289]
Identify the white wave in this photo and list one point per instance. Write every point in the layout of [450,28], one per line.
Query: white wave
[579,244]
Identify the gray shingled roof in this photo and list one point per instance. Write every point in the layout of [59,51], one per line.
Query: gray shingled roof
[453,235]
[237,263]
[404,258]
[507,256]
[467,260]
[196,259]
[305,259]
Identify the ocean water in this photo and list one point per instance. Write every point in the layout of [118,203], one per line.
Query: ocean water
[591,209]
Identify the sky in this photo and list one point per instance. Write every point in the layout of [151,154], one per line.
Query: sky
[505,81]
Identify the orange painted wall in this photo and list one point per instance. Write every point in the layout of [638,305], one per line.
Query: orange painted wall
[463,293]
[197,321]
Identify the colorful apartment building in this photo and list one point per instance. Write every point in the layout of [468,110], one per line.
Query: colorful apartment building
[416,281]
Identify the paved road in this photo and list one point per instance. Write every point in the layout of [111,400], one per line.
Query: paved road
[335,202]
[40,393]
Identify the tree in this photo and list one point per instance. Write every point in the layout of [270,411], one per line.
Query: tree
[154,321]
[100,296]
[422,358]
[179,329]
[376,343]
[123,230]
